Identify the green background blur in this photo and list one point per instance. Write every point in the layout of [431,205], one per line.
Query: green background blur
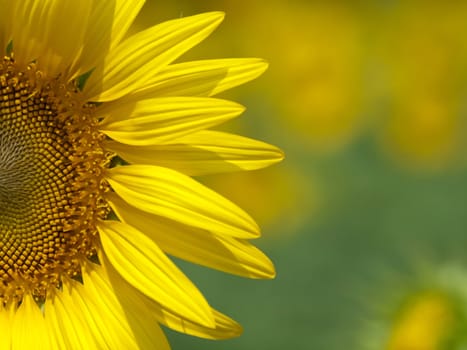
[367,99]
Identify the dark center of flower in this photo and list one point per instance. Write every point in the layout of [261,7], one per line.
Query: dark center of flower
[51,182]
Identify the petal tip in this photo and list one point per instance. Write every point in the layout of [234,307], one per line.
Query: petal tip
[218,15]
[263,65]
[214,17]
[268,271]
[280,155]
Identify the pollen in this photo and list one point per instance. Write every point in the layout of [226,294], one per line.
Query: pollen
[51,182]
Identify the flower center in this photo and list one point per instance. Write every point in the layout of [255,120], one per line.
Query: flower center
[51,182]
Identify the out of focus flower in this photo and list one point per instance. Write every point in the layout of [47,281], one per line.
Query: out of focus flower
[315,81]
[425,322]
[424,56]
[427,313]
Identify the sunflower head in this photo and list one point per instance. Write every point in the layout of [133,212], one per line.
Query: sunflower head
[99,136]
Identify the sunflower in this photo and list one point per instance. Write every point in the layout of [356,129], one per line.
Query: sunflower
[420,310]
[100,136]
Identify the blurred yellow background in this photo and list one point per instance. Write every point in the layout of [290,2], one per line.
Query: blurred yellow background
[366,219]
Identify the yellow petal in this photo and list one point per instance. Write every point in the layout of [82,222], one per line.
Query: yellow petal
[6,316]
[203,152]
[28,329]
[137,59]
[158,120]
[114,319]
[223,328]
[68,327]
[109,21]
[97,315]
[202,78]
[143,264]
[201,247]
[168,193]
[49,31]
[144,324]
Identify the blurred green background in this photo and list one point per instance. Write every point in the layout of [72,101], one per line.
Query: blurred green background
[366,218]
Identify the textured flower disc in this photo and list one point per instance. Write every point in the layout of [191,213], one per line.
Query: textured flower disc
[50,182]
